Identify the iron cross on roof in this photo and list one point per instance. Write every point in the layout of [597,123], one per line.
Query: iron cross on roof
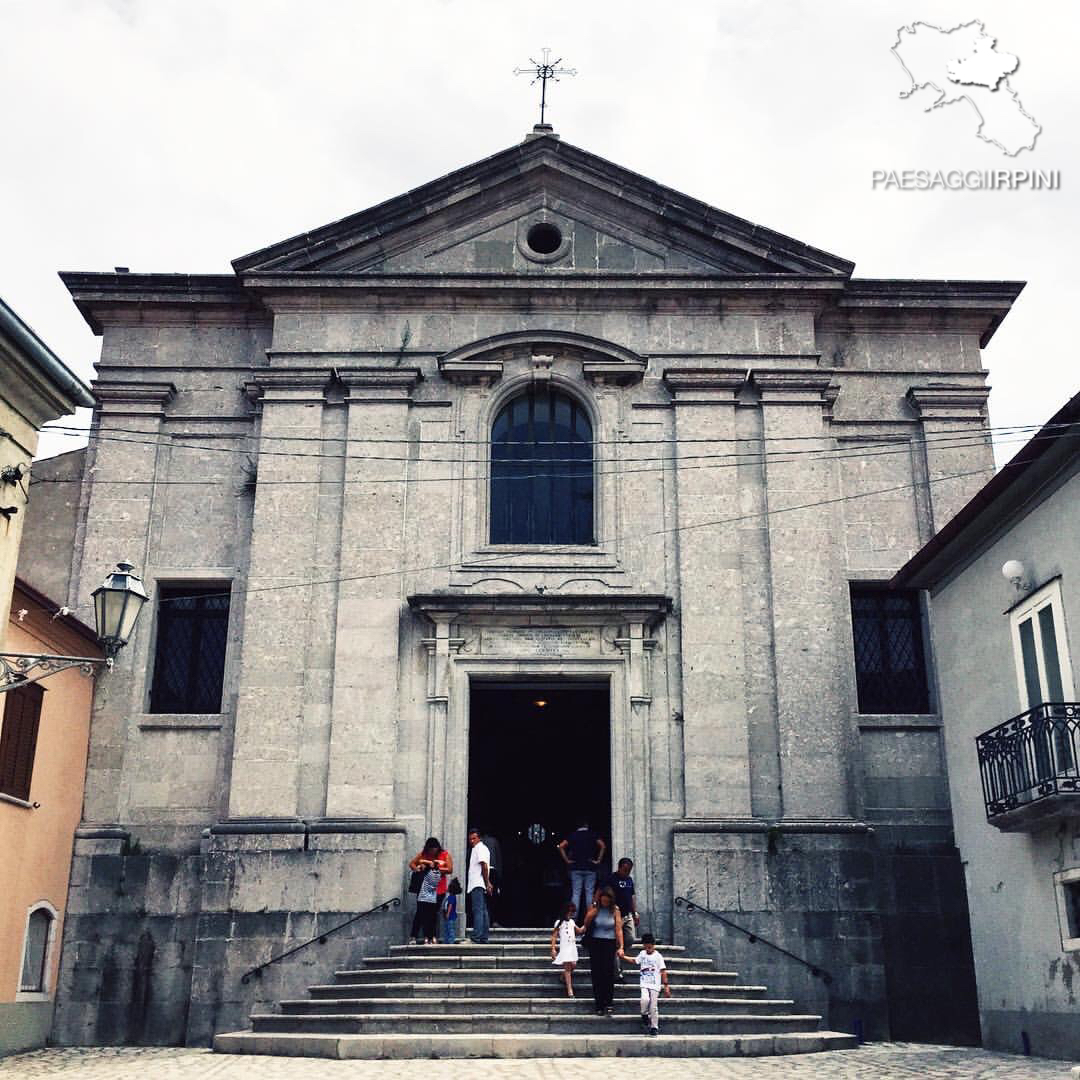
[541,72]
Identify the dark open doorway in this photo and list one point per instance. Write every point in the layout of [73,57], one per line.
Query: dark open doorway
[539,758]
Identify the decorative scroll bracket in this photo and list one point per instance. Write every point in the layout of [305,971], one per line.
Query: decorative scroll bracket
[16,667]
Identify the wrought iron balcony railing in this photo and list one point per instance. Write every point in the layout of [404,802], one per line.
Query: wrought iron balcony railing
[1029,766]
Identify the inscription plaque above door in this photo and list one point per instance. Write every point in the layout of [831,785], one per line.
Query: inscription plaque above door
[540,640]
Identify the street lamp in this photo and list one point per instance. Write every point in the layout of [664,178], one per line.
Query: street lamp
[117,603]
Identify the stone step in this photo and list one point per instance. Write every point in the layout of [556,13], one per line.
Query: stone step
[481,1045]
[522,949]
[426,957]
[549,986]
[551,1023]
[456,1005]
[390,973]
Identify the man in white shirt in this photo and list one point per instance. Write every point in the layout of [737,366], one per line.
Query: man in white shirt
[478,886]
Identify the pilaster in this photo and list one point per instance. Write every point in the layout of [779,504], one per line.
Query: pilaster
[118,516]
[807,584]
[366,699]
[715,739]
[958,461]
[281,739]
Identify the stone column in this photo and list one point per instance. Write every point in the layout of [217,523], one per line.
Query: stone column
[272,742]
[715,745]
[958,461]
[364,737]
[121,515]
[809,599]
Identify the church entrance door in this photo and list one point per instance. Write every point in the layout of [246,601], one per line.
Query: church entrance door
[539,759]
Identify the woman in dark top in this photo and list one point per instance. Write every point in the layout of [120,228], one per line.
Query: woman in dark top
[605,921]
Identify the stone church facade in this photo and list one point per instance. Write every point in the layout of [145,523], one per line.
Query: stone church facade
[541,429]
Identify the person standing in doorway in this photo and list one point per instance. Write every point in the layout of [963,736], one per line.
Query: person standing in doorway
[606,924]
[478,884]
[583,851]
[495,872]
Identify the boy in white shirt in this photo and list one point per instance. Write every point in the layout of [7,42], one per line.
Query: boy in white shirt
[653,975]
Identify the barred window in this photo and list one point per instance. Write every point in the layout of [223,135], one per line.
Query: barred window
[890,660]
[542,470]
[189,659]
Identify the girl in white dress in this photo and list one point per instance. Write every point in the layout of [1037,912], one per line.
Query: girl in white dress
[564,945]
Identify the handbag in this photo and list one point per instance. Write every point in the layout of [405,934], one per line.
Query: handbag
[416,881]
[586,938]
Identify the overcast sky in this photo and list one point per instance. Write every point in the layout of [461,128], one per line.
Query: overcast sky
[175,136]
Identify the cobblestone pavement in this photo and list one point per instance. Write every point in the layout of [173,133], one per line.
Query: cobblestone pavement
[881,1061]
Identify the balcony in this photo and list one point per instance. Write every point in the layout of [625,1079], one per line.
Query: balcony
[1029,767]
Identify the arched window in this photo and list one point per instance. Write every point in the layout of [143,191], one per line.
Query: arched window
[542,470]
[36,954]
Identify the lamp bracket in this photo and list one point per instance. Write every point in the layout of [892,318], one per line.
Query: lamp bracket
[15,668]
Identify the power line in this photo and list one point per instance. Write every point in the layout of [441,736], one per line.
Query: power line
[679,464]
[73,432]
[750,456]
[556,549]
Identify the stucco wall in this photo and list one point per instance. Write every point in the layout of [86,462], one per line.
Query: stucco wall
[1026,982]
[36,840]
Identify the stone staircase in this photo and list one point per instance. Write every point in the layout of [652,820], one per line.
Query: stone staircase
[505,999]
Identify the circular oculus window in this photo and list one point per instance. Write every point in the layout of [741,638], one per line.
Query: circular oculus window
[543,241]
[545,238]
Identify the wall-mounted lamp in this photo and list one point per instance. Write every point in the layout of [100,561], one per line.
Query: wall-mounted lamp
[1015,572]
[117,603]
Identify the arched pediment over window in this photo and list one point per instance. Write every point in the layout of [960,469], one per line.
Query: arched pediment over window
[542,469]
[601,361]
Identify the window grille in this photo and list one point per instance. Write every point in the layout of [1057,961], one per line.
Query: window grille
[890,661]
[542,471]
[189,659]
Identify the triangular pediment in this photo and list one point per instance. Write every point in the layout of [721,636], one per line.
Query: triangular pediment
[596,217]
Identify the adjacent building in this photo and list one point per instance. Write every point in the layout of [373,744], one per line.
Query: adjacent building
[541,491]
[44,729]
[44,737]
[1004,578]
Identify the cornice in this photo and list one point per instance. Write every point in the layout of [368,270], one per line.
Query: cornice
[650,608]
[602,361]
[354,384]
[116,397]
[948,402]
[705,386]
[800,387]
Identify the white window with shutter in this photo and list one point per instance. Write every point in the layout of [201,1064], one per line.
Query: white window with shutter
[1043,670]
[1045,681]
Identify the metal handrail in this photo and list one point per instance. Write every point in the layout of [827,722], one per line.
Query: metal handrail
[386,905]
[817,972]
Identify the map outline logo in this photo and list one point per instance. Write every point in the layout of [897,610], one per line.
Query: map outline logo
[968,67]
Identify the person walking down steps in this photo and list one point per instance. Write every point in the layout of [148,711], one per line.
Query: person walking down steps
[606,925]
[653,973]
[564,949]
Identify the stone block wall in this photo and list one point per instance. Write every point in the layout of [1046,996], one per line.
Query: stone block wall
[889,927]
[812,893]
[125,974]
[157,944]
